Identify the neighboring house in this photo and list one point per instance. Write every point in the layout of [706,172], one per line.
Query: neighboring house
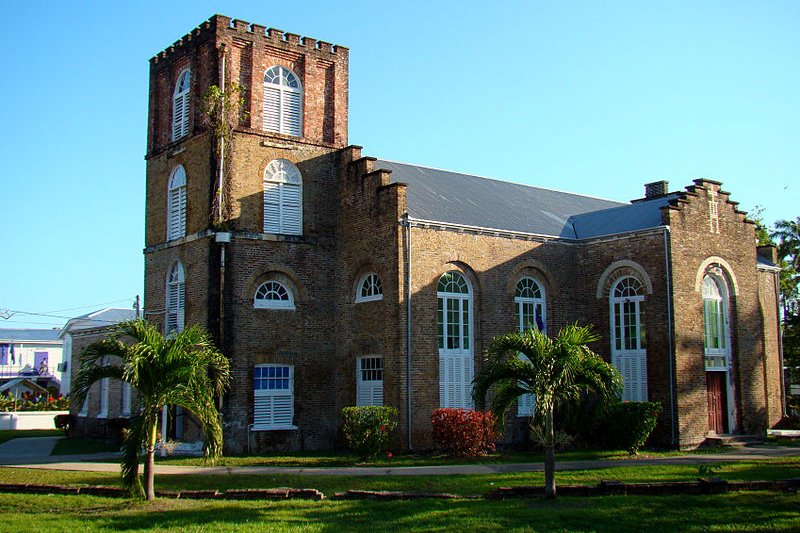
[340,279]
[107,398]
[35,354]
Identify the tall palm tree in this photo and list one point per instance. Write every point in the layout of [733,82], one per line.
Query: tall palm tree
[185,369]
[788,234]
[556,369]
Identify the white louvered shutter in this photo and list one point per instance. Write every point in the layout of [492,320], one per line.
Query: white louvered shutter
[272,207]
[292,111]
[172,307]
[369,385]
[185,115]
[177,116]
[272,108]
[291,216]
[177,213]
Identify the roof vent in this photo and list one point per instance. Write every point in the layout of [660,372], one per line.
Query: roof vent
[657,188]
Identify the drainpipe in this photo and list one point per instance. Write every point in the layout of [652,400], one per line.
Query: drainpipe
[784,409]
[668,276]
[222,244]
[406,223]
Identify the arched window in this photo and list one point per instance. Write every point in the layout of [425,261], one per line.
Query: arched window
[180,106]
[628,347]
[529,311]
[283,198]
[273,295]
[176,204]
[175,308]
[715,320]
[369,289]
[283,102]
[454,325]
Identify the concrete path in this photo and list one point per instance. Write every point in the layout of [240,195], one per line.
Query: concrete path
[23,453]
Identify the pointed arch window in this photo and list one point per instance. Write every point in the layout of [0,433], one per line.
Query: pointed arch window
[628,342]
[180,105]
[529,312]
[175,308]
[369,289]
[283,198]
[176,204]
[273,295]
[283,102]
[454,326]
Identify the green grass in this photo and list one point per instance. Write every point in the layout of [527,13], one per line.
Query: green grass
[752,511]
[79,445]
[8,434]
[455,484]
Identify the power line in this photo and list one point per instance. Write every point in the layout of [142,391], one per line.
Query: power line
[92,305]
[8,313]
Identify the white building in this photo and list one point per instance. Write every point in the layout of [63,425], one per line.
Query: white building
[34,354]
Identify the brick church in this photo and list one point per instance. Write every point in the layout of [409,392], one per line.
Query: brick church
[334,278]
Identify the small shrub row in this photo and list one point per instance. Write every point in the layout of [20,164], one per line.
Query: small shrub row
[617,425]
[463,432]
[9,404]
[367,429]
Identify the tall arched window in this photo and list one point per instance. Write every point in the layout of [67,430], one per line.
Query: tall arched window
[176,204]
[715,319]
[529,311]
[283,198]
[175,308]
[180,106]
[628,346]
[283,101]
[454,323]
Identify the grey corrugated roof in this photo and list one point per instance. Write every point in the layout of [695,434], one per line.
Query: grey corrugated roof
[97,319]
[450,197]
[28,335]
[631,217]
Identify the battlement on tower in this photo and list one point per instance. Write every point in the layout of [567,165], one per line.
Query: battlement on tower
[218,24]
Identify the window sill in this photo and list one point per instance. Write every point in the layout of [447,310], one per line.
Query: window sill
[273,428]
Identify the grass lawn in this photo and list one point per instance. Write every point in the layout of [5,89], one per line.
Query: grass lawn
[455,484]
[8,434]
[752,511]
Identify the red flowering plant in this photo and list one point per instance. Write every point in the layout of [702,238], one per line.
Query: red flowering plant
[464,432]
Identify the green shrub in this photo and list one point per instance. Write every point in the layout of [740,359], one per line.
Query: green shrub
[367,429]
[629,424]
[464,432]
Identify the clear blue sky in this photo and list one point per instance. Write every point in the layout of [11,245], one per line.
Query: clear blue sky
[590,97]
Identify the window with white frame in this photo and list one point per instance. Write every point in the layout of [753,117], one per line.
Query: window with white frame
[175,308]
[369,289]
[176,204]
[103,410]
[273,295]
[283,198]
[180,106]
[454,326]
[283,102]
[369,381]
[125,409]
[273,397]
[628,346]
[715,321]
[529,312]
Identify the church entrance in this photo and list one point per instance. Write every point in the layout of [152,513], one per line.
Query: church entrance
[717,402]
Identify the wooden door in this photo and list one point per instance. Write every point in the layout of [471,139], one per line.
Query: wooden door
[717,402]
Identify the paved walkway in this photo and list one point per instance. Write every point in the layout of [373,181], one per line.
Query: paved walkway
[35,453]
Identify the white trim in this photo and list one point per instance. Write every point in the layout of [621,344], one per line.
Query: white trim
[456,365]
[703,270]
[282,105]
[369,391]
[265,303]
[631,362]
[267,401]
[372,297]
[180,106]
[104,396]
[527,402]
[176,204]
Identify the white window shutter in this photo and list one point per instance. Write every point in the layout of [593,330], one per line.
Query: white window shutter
[177,116]
[181,307]
[291,222]
[185,114]
[272,108]
[272,207]
[292,113]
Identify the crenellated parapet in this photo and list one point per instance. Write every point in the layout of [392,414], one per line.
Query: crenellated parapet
[222,25]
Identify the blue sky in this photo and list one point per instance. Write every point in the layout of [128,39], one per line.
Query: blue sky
[590,97]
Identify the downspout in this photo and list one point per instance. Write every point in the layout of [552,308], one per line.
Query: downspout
[406,223]
[668,275]
[223,245]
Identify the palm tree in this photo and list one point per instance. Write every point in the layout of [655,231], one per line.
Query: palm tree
[185,369]
[556,370]
[788,233]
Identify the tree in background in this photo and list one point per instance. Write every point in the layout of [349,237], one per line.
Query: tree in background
[184,369]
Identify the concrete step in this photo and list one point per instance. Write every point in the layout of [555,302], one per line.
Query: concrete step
[736,441]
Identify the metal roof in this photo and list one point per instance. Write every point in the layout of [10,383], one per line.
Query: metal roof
[463,199]
[97,319]
[29,335]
